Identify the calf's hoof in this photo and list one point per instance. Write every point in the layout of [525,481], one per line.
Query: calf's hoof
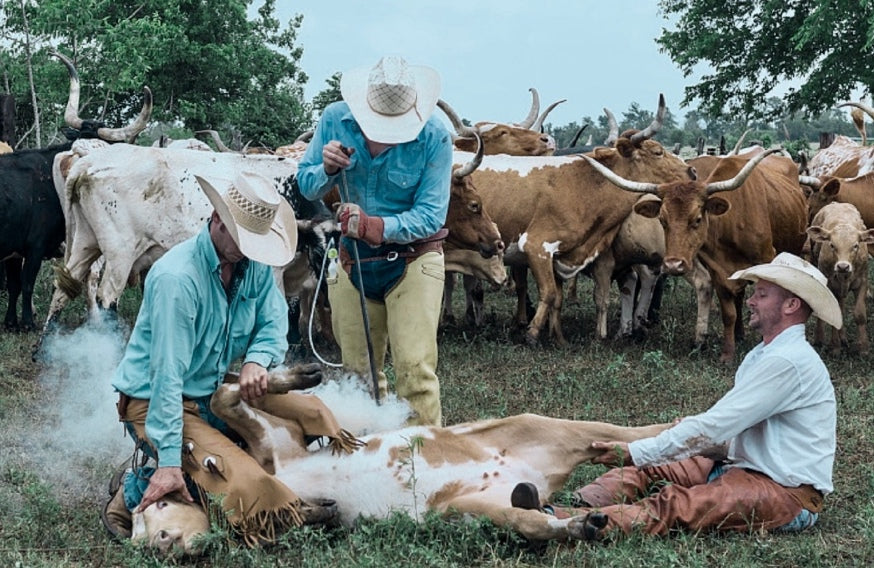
[588,527]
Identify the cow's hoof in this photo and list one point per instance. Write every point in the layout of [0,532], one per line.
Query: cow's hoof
[320,512]
[588,527]
[525,496]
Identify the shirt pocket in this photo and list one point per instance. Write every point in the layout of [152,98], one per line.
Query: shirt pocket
[402,181]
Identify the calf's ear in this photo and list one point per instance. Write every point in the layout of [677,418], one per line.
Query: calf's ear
[817,234]
[867,236]
[648,208]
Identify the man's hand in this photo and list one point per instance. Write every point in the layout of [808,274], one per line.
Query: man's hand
[614,453]
[335,157]
[253,381]
[164,481]
[357,224]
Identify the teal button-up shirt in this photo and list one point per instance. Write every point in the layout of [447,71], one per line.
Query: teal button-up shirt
[407,185]
[188,332]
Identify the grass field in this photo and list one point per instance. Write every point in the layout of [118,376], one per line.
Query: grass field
[53,474]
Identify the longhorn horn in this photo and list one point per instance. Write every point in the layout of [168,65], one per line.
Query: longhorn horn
[462,130]
[215,138]
[740,140]
[538,124]
[535,110]
[619,181]
[812,181]
[656,124]
[612,128]
[742,175]
[472,165]
[71,112]
[578,134]
[860,105]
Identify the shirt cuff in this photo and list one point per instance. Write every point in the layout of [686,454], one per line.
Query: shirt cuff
[170,457]
[263,359]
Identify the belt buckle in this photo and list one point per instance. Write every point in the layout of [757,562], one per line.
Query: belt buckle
[392,255]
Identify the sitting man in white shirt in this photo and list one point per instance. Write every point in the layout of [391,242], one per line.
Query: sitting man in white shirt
[775,429]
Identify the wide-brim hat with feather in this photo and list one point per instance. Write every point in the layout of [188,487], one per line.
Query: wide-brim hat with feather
[802,279]
[391,101]
[259,220]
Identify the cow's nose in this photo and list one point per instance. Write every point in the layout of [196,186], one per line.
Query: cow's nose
[674,266]
[843,266]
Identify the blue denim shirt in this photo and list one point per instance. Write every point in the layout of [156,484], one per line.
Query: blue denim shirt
[188,333]
[407,185]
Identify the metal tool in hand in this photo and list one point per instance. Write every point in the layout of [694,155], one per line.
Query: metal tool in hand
[344,197]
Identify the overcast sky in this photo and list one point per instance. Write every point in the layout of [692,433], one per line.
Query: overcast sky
[594,53]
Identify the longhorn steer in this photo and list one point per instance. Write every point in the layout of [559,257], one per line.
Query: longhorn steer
[762,212]
[520,139]
[32,225]
[468,468]
[561,215]
[839,250]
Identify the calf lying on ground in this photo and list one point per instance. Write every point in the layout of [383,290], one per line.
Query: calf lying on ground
[467,468]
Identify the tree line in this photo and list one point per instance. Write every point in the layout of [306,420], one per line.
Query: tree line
[210,66]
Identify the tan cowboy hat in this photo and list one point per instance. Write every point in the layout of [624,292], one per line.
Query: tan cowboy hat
[802,279]
[260,221]
[392,100]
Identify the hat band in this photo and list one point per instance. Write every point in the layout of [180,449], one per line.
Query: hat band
[254,217]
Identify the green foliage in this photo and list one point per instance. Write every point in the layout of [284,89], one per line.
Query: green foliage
[750,46]
[207,65]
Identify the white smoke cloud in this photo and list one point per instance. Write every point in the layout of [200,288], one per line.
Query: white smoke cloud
[356,410]
[78,432]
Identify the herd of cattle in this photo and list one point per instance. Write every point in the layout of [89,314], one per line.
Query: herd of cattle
[628,210]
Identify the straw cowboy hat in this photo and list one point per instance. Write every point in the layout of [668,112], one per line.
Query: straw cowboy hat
[260,221]
[802,279]
[391,101]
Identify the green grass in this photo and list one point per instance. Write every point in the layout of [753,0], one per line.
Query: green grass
[484,373]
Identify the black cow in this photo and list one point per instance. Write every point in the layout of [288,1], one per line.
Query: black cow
[31,226]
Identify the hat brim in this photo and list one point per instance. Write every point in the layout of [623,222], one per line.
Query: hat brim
[391,129]
[276,247]
[820,299]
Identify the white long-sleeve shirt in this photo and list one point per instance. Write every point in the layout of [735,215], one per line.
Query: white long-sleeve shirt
[780,418]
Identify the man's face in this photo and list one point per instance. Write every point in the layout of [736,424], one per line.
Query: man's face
[766,307]
[170,526]
[227,249]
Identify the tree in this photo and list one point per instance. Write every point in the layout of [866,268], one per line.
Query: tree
[754,45]
[329,95]
[207,64]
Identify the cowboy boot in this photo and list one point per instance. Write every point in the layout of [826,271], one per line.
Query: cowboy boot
[116,517]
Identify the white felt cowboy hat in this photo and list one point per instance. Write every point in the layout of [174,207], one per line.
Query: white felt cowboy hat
[391,101]
[260,221]
[802,279]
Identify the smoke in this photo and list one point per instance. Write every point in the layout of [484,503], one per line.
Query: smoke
[355,409]
[78,434]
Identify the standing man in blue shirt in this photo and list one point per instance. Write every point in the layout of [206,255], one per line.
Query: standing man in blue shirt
[208,302]
[392,162]
[760,458]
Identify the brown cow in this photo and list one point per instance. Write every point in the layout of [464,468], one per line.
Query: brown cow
[839,236]
[763,212]
[468,468]
[561,215]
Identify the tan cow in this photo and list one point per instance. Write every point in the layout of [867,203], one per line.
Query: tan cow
[5,148]
[762,212]
[468,468]
[839,238]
